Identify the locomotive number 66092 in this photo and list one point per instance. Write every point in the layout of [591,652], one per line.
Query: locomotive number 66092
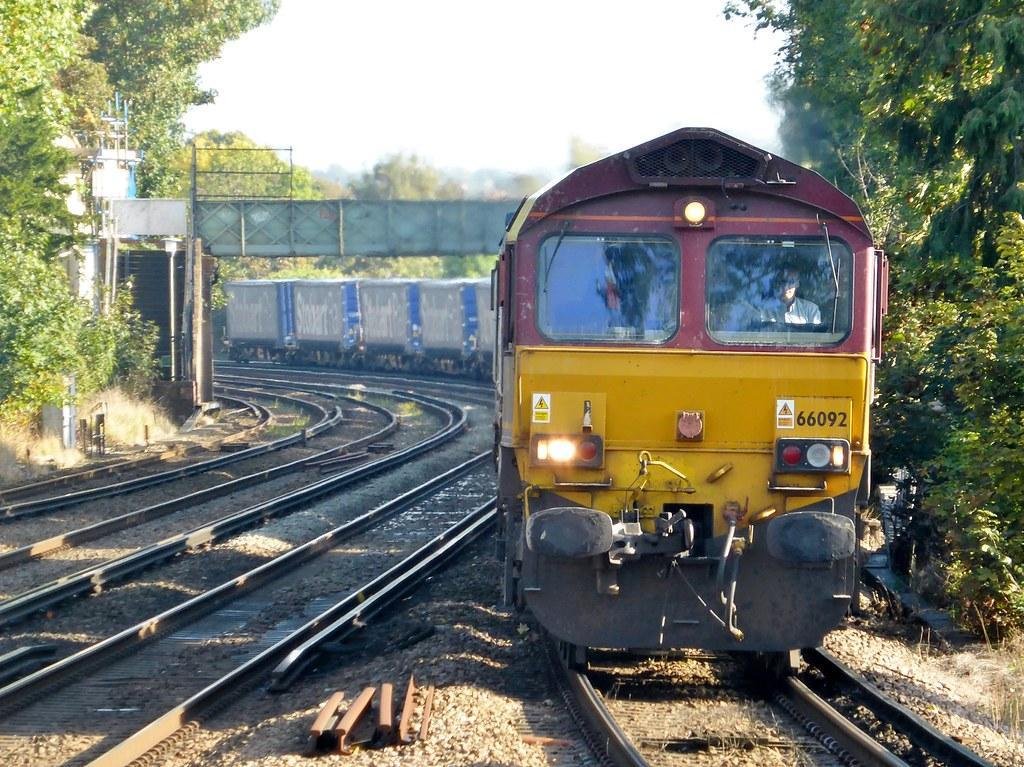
[821,418]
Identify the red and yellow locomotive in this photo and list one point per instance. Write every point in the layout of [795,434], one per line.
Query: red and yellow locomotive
[687,333]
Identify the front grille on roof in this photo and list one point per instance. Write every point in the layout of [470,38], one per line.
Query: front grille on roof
[696,158]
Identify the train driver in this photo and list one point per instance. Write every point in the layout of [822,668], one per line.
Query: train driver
[790,308]
[774,304]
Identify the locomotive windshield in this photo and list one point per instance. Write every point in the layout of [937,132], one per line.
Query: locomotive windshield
[779,291]
[611,289]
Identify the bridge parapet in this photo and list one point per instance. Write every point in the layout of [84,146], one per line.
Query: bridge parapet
[276,228]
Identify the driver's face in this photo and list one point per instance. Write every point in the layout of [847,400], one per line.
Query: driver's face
[788,284]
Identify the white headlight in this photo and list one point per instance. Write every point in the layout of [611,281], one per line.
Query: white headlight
[561,450]
[694,212]
[838,456]
[818,455]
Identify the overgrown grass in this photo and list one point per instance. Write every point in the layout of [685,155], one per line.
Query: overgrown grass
[127,418]
[996,672]
[292,426]
[25,455]
[1007,701]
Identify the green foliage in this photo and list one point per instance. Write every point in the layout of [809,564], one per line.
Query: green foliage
[151,50]
[120,347]
[39,38]
[404,178]
[979,502]
[39,319]
[233,165]
[32,195]
[59,63]
[916,109]
[948,86]
[38,315]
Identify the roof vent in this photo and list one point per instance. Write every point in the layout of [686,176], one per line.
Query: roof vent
[694,159]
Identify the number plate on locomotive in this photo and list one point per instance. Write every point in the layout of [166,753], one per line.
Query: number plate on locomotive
[813,416]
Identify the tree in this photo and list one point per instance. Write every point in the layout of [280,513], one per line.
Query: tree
[404,178]
[151,51]
[233,165]
[38,319]
[40,37]
[54,82]
[932,117]
[948,87]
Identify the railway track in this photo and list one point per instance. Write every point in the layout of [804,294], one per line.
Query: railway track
[49,594]
[29,508]
[40,545]
[700,709]
[258,615]
[39,548]
[76,660]
[464,390]
[99,470]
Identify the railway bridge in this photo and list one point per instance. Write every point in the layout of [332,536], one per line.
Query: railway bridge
[178,293]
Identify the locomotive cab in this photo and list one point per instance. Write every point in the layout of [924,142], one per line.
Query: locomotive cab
[684,366]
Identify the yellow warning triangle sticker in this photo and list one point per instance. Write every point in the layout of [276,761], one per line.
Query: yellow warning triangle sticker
[784,410]
[540,404]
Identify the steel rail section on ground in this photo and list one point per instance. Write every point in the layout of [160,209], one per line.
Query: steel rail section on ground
[33,508]
[30,601]
[15,692]
[914,727]
[116,466]
[45,546]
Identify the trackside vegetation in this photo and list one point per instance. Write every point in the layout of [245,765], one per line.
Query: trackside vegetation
[916,109]
[60,64]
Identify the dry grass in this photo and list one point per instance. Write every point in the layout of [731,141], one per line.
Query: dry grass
[1008,687]
[25,455]
[127,419]
[997,674]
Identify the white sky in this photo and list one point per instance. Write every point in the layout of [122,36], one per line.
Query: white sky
[473,85]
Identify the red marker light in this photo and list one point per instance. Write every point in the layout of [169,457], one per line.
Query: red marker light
[587,450]
[791,455]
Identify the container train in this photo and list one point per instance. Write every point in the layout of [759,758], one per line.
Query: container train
[687,333]
[442,325]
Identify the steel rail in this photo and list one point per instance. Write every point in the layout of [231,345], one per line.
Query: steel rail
[606,739]
[381,592]
[181,614]
[116,466]
[914,727]
[42,547]
[381,378]
[19,662]
[34,508]
[41,597]
[844,733]
[471,527]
